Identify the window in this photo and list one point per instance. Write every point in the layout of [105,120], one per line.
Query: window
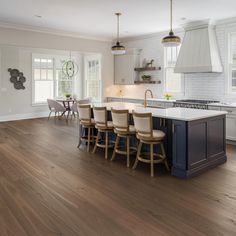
[48,79]
[174,82]
[43,79]
[232,63]
[93,83]
[64,85]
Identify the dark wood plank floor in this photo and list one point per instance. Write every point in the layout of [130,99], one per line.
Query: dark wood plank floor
[49,187]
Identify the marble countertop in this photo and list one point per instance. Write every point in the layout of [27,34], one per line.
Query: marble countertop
[175,113]
[233,105]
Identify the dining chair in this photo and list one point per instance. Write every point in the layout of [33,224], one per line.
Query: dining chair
[122,129]
[103,126]
[147,135]
[74,107]
[55,107]
[86,121]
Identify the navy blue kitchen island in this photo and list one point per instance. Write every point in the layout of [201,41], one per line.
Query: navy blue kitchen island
[195,139]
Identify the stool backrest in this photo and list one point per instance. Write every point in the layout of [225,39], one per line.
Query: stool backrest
[143,123]
[100,116]
[84,113]
[120,119]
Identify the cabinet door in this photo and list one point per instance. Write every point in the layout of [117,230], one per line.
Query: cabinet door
[124,69]
[231,127]
[179,144]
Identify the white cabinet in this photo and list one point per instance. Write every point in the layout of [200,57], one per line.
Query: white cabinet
[230,121]
[231,127]
[124,68]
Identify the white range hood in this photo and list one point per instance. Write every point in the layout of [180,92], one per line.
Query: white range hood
[199,51]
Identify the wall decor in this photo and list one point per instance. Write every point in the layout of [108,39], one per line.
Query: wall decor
[17,78]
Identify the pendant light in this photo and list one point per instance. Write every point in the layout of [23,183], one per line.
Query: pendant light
[118,49]
[69,68]
[171,40]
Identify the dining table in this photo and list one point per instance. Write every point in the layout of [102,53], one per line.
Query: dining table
[67,103]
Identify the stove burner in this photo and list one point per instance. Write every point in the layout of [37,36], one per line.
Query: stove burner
[192,103]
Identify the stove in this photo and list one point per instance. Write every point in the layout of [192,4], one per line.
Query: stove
[191,103]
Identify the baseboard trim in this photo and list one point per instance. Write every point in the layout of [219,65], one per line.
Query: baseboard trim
[23,116]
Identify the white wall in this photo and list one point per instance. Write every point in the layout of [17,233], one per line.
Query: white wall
[197,86]
[17,47]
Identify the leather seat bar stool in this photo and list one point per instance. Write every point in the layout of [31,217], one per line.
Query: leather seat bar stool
[104,127]
[146,135]
[86,121]
[122,129]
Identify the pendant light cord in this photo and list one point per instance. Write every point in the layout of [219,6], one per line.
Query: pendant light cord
[118,27]
[171,16]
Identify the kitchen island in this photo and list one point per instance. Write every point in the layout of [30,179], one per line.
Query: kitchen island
[195,139]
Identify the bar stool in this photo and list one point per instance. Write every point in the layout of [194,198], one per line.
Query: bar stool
[86,122]
[103,126]
[122,129]
[146,135]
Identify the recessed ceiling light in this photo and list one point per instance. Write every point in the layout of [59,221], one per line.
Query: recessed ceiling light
[38,16]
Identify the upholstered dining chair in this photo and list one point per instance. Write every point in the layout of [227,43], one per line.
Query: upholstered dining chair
[103,126]
[146,135]
[122,129]
[55,107]
[74,107]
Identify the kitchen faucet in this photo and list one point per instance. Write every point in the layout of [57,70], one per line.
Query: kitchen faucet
[145,97]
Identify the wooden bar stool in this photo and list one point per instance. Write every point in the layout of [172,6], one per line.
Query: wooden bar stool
[122,129]
[146,135]
[103,126]
[86,121]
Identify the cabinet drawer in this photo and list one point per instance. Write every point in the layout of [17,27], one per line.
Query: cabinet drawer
[230,110]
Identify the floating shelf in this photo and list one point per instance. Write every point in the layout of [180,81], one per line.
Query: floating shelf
[147,69]
[148,82]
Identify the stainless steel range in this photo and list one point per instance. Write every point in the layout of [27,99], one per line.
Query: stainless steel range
[191,103]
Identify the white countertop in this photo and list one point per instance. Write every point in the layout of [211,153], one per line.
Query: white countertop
[175,113]
[149,99]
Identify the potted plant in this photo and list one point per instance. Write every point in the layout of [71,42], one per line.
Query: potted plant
[168,96]
[68,96]
[146,77]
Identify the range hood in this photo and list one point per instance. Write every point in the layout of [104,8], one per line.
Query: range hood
[199,51]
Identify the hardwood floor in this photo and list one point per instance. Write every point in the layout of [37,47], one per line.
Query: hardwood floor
[49,187]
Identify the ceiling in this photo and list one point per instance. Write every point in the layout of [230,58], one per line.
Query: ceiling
[95,18]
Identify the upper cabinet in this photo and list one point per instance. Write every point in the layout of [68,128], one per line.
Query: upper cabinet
[124,68]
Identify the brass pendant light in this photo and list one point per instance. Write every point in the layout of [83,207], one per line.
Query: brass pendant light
[118,49]
[171,40]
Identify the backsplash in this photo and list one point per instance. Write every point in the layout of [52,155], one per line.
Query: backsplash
[197,86]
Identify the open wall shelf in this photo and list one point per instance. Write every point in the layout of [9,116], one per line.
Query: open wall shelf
[141,69]
[147,82]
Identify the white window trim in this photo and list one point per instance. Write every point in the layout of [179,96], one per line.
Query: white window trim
[86,58]
[228,64]
[33,80]
[176,94]
[53,58]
